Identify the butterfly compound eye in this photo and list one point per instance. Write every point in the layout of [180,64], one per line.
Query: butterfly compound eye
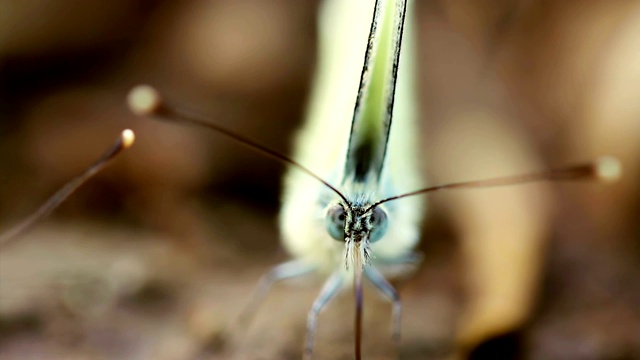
[334,222]
[378,224]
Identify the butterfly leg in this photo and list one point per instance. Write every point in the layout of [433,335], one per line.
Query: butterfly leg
[330,288]
[391,294]
[284,271]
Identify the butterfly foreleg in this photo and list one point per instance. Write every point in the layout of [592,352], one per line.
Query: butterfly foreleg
[390,293]
[330,288]
[284,271]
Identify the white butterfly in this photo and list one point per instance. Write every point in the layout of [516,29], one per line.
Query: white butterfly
[364,155]
[367,153]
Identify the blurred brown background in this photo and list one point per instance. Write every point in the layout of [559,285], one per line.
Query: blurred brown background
[155,257]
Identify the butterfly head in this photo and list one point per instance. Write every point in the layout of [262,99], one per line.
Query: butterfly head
[357,226]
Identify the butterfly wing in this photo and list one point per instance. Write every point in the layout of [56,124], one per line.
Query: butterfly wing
[371,124]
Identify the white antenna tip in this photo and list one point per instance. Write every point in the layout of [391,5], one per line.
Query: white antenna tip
[608,168]
[144,100]
[128,137]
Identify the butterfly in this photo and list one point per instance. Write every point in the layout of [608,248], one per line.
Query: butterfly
[370,155]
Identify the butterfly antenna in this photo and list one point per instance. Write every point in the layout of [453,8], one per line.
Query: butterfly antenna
[124,141]
[145,100]
[605,169]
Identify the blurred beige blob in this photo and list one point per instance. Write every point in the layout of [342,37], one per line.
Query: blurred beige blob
[572,72]
[610,121]
[502,230]
[475,136]
[239,44]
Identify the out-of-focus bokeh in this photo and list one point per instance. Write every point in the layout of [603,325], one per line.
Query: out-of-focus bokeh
[154,258]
